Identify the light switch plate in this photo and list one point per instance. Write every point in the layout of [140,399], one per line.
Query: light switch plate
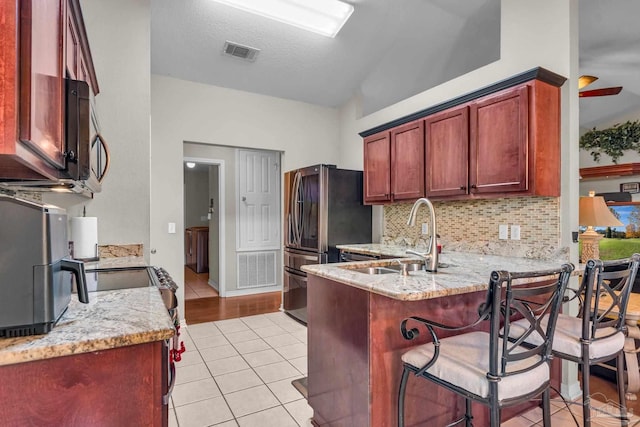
[515,232]
[172,228]
[503,231]
[425,228]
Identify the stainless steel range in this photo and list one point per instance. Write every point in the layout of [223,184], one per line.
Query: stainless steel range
[109,279]
[137,277]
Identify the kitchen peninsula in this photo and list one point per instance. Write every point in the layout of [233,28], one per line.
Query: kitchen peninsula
[355,344]
[105,360]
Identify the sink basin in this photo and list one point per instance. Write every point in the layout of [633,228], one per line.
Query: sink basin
[414,266]
[375,270]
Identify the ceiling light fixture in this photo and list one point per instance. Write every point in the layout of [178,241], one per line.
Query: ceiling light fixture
[191,165]
[325,17]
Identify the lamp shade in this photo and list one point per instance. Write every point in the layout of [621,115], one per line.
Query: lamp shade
[594,212]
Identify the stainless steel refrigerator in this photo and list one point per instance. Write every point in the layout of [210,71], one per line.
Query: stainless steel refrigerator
[323,208]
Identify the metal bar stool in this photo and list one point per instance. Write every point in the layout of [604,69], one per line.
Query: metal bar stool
[484,367]
[598,332]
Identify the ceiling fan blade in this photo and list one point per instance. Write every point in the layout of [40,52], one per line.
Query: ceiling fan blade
[585,80]
[601,92]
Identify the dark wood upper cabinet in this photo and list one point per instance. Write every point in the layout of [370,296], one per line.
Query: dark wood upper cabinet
[407,164]
[394,165]
[447,153]
[498,145]
[41,68]
[377,168]
[42,42]
[499,129]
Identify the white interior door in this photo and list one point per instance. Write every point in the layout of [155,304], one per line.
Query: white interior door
[258,212]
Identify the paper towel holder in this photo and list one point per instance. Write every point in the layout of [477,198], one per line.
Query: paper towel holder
[90,259]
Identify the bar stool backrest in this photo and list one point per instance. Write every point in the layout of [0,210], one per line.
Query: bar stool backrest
[533,296]
[604,296]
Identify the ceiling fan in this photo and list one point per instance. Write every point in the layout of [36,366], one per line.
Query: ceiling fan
[584,81]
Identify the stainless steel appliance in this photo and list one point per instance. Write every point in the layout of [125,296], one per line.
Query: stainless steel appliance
[323,208]
[86,157]
[139,277]
[36,269]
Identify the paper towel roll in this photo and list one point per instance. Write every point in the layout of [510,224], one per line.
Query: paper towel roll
[84,234]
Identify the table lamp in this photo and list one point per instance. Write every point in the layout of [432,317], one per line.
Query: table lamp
[594,212]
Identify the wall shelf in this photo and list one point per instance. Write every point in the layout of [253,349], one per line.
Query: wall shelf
[610,171]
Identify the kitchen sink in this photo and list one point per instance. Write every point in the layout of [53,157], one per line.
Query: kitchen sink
[390,269]
[403,268]
[375,270]
[406,268]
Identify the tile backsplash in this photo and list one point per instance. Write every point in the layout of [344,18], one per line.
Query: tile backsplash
[472,226]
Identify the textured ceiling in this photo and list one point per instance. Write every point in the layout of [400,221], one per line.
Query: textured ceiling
[384,53]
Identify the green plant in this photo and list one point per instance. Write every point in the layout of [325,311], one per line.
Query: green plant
[612,141]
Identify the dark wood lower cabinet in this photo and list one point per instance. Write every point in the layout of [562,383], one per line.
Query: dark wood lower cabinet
[118,387]
[354,351]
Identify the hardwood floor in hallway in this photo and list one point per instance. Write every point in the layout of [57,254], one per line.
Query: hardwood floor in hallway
[199,309]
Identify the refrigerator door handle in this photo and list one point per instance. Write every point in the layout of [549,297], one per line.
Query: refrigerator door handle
[295,208]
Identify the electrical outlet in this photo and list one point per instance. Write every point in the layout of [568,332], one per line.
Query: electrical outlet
[172,228]
[515,232]
[503,231]
[425,228]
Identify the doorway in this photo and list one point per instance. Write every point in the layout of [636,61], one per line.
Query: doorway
[204,199]
[257,293]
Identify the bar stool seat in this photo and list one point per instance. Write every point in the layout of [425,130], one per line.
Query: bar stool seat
[463,362]
[567,339]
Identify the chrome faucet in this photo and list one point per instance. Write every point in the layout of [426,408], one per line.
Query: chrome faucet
[431,256]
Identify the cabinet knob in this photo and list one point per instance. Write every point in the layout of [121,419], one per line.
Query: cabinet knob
[474,186]
[464,187]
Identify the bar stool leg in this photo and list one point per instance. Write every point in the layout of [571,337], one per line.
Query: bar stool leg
[546,408]
[468,415]
[401,391]
[586,398]
[621,393]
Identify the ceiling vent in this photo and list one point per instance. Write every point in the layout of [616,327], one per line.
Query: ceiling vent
[240,51]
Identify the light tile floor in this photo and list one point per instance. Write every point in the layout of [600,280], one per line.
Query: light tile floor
[238,372]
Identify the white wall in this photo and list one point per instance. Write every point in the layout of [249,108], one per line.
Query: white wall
[119,36]
[186,111]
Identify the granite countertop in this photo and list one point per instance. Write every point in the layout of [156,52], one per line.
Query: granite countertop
[464,272]
[111,319]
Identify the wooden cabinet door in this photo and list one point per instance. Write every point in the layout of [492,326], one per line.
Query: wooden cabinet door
[79,64]
[407,161]
[447,153]
[499,143]
[377,164]
[41,120]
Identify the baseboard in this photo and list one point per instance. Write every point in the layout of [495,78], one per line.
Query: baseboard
[252,291]
[571,391]
[214,285]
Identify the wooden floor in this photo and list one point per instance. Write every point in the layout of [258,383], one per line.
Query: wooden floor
[207,309]
[200,310]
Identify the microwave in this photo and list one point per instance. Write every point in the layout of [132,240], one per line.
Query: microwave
[86,156]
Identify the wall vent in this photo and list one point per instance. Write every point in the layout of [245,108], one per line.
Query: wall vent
[240,51]
[256,269]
